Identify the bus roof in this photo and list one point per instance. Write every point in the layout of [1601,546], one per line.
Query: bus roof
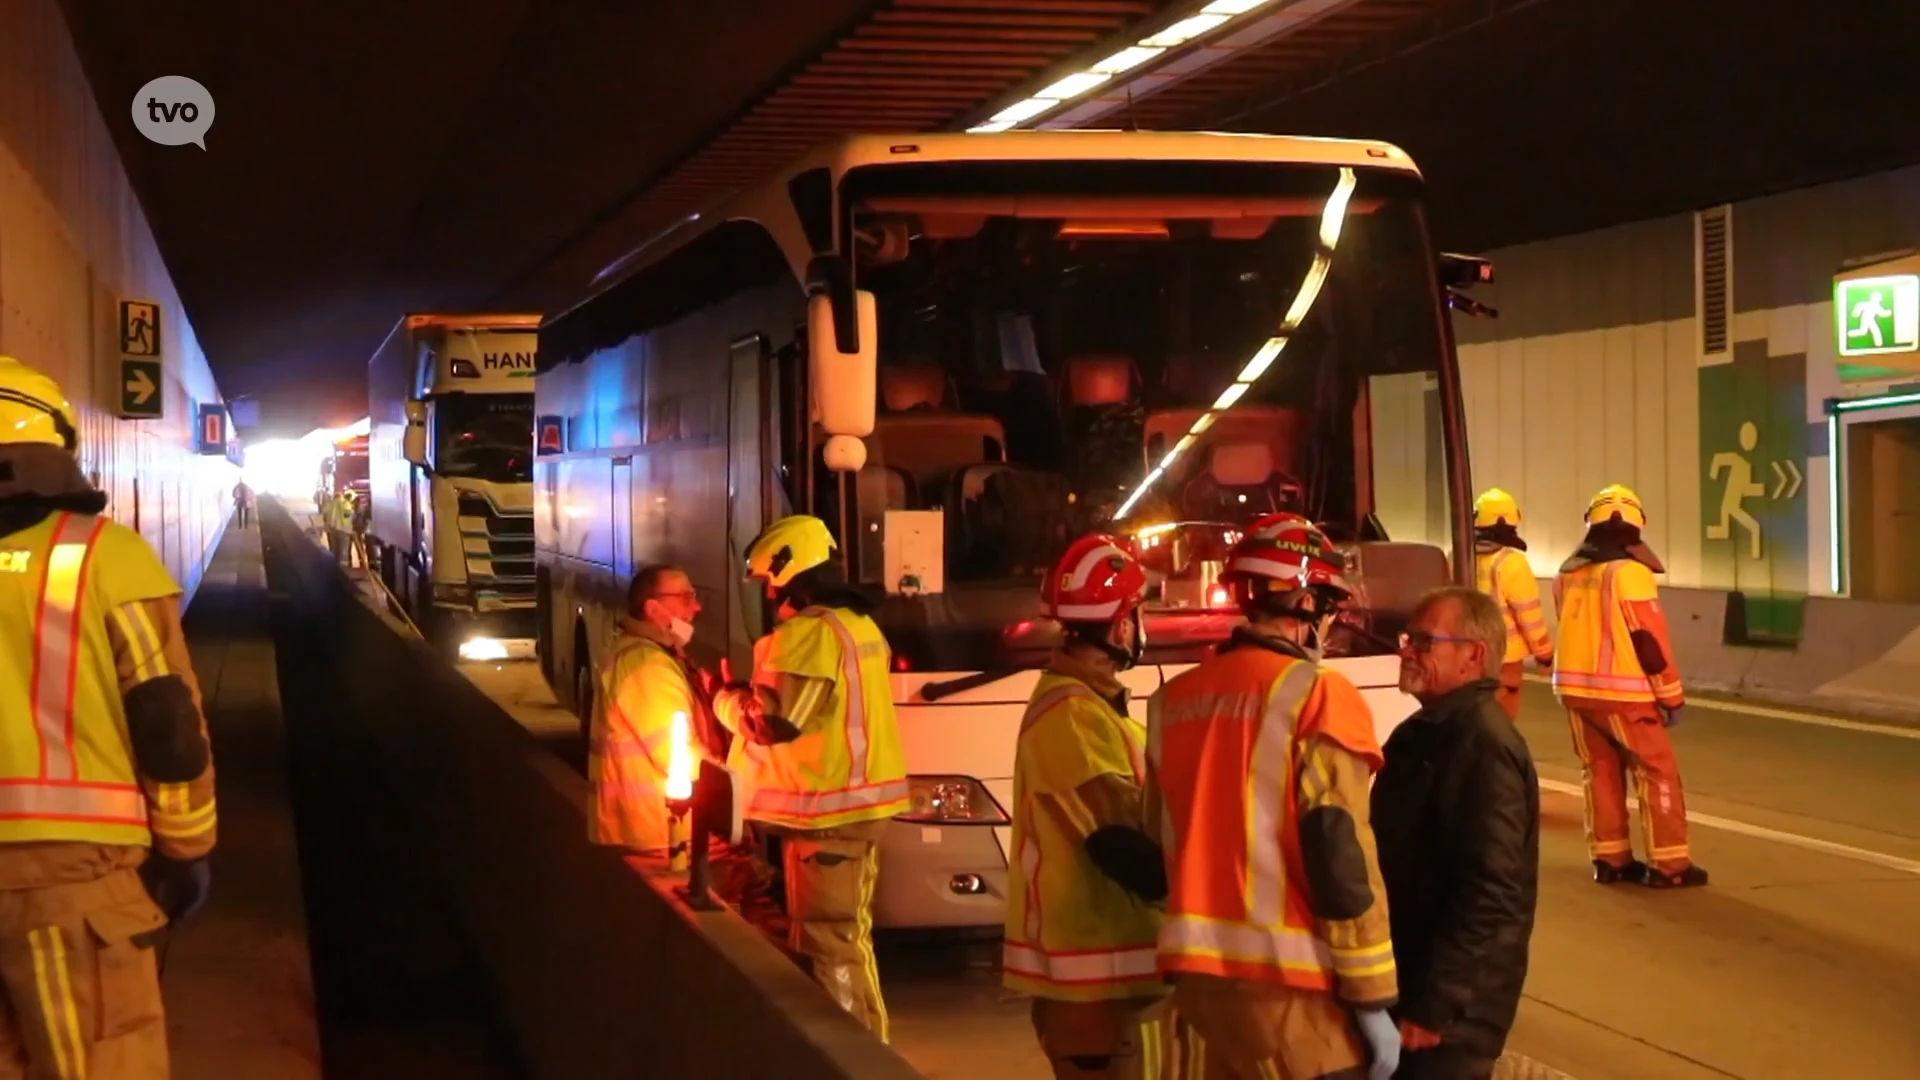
[854,151]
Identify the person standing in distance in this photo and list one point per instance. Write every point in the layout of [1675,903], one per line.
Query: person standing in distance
[1617,678]
[106,774]
[817,732]
[1456,810]
[1258,762]
[1501,571]
[1085,879]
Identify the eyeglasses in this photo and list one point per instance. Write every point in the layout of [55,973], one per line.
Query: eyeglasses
[687,595]
[1421,641]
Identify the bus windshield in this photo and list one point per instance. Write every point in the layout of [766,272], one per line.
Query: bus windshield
[1050,331]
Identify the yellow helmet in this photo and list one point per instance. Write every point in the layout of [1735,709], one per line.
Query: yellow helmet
[1495,507]
[33,409]
[1616,502]
[789,547]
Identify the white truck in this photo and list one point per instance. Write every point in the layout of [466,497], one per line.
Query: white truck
[450,469]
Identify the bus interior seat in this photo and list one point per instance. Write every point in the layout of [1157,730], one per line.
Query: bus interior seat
[1020,522]
[971,546]
[1101,418]
[1190,379]
[916,385]
[1240,481]
[1392,575]
[1023,401]
[932,446]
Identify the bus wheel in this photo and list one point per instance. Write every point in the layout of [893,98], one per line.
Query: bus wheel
[583,699]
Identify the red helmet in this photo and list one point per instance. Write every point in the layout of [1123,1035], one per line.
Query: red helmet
[1280,553]
[1095,582]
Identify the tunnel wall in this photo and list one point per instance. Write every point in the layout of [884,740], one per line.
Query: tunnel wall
[74,242]
[1601,369]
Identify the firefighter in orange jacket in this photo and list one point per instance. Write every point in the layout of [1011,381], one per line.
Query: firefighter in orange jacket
[1615,674]
[106,775]
[1085,876]
[817,733]
[1259,762]
[1502,572]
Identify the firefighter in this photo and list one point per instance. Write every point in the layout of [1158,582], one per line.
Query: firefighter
[1502,572]
[817,730]
[108,775]
[643,682]
[337,516]
[1085,877]
[1259,760]
[1615,674]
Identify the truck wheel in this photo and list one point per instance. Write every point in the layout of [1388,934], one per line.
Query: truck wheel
[583,700]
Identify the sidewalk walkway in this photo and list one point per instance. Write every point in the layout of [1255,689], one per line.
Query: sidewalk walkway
[239,989]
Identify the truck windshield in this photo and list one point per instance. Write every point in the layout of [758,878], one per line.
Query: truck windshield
[1051,334]
[484,437]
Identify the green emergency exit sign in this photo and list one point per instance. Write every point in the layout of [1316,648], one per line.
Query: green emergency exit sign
[1874,316]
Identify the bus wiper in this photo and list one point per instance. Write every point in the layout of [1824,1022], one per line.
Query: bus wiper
[934,691]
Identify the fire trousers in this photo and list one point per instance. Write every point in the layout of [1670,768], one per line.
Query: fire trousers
[1512,678]
[81,986]
[1615,742]
[1094,1040]
[830,878]
[1228,1029]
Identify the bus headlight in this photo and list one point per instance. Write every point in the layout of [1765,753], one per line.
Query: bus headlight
[951,800]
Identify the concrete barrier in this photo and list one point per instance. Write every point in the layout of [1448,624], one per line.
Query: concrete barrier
[1854,655]
[594,967]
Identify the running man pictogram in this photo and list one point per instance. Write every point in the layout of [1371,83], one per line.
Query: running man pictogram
[1741,486]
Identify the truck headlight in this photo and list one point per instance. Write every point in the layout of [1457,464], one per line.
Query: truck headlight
[951,800]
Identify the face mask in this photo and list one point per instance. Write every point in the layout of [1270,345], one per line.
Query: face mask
[681,630]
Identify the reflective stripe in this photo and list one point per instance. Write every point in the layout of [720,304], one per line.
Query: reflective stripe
[123,804]
[1030,865]
[1583,681]
[856,695]
[810,804]
[1082,968]
[59,1013]
[1607,617]
[1274,946]
[56,642]
[1156,723]
[1269,789]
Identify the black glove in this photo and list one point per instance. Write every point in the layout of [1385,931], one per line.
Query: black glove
[178,886]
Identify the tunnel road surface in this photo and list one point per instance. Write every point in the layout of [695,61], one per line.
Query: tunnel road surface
[1801,960]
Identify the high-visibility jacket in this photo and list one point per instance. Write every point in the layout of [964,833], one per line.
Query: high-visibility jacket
[1504,574]
[1238,746]
[1072,933]
[847,765]
[66,762]
[641,686]
[1611,631]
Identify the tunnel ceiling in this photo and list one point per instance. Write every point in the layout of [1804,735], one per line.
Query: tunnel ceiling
[372,158]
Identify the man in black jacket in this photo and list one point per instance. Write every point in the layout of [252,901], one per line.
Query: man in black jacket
[1456,813]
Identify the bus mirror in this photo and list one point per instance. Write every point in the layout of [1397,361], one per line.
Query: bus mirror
[844,383]
[1465,271]
[416,411]
[413,444]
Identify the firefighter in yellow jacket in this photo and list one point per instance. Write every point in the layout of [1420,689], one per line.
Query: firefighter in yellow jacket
[108,776]
[1082,926]
[1502,572]
[1616,675]
[821,743]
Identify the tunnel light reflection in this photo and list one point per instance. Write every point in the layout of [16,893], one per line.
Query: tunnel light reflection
[290,468]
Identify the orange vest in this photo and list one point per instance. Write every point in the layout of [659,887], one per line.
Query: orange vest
[1594,658]
[1225,740]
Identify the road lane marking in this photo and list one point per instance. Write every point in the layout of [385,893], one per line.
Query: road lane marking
[1760,832]
[1773,712]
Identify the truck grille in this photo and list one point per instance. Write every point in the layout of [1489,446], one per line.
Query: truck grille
[501,569]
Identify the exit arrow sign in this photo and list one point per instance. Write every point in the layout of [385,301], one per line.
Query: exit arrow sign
[140,396]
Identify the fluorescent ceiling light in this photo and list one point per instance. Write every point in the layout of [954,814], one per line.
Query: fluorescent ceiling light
[1184,31]
[1022,110]
[1073,86]
[1126,60]
[1231,7]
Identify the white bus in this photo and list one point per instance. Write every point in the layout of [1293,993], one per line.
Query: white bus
[1022,329]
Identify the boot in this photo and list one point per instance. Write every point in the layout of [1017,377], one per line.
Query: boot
[1606,873]
[1690,878]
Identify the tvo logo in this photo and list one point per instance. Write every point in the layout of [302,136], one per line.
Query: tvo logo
[174,110]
